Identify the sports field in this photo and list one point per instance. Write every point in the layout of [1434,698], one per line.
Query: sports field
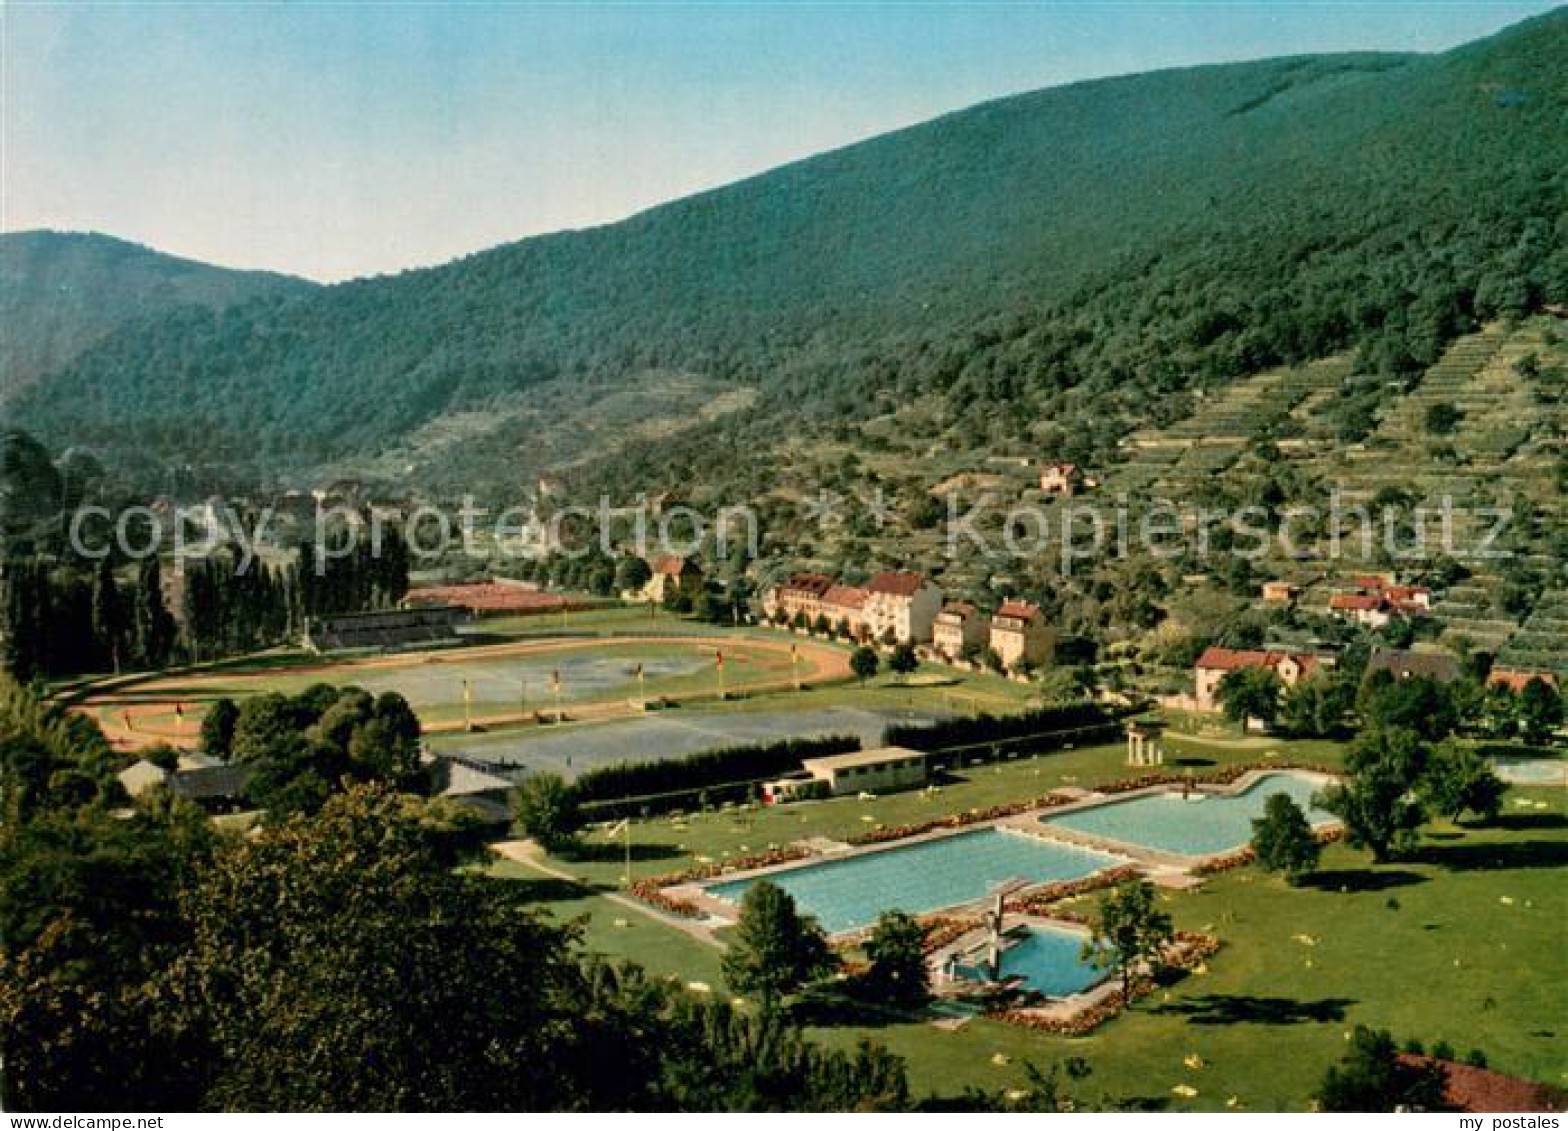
[490,685]
[671,734]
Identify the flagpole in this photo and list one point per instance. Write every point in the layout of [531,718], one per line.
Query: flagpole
[719,663]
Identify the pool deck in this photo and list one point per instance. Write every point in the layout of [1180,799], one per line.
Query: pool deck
[1166,869]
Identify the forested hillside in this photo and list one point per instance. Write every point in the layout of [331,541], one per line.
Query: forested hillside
[63,292]
[1056,268]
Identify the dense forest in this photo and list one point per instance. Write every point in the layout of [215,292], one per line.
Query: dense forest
[1081,259]
[60,293]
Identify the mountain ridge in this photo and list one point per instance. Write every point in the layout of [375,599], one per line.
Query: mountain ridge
[1142,235]
[61,292]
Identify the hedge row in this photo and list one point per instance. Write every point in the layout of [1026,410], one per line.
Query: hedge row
[1039,726]
[709,768]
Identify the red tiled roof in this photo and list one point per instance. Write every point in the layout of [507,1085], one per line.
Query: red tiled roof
[1516,680]
[1062,468]
[959,608]
[846,597]
[1481,1089]
[1215,658]
[668,566]
[488,597]
[1406,592]
[813,583]
[1357,602]
[1023,610]
[897,583]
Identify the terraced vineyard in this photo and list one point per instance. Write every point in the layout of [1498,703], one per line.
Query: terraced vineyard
[1542,642]
[1498,449]
[1172,462]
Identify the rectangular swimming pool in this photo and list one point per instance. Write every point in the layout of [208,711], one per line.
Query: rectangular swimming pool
[1202,824]
[851,892]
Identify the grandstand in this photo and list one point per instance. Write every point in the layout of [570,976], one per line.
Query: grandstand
[385,628]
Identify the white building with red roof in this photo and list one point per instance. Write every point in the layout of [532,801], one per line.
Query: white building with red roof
[901,606]
[1021,636]
[1374,601]
[1060,478]
[1216,663]
[959,628]
[844,607]
[799,594]
[672,576]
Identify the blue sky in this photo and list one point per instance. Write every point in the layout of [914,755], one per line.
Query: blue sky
[341,139]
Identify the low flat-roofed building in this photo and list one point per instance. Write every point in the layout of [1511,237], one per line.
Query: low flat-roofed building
[887,767]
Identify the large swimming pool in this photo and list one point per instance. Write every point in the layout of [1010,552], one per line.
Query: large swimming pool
[851,892]
[1202,824]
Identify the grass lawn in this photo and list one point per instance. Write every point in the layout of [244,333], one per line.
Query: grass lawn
[618,932]
[1462,943]
[1427,949]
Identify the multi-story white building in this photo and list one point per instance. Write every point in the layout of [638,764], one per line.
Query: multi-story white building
[901,606]
[1020,635]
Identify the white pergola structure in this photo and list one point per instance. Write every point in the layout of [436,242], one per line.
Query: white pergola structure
[1143,743]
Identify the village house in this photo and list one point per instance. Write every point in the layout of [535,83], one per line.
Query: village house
[959,628]
[901,606]
[1409,664]
[671,577]
[1517,679]
[1216,663]
[1369,610]
[214,785]
[1409,598]
[1373,601]
[1020,635]
[1058,478]
[1280,592]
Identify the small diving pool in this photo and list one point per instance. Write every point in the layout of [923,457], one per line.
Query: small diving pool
[850,892]
[1201,824]
[1048,959]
